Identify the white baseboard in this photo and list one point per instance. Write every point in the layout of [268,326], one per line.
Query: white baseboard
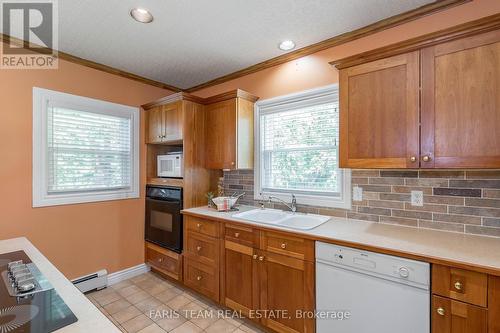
[127,273]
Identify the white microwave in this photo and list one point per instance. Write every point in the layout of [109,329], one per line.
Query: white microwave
[170,165]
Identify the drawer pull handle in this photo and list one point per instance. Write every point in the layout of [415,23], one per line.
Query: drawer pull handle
[198,277]
[198,225]
[236,234]
[261,258]
[160,259]
[440,311]
[458,285]
[198,248]
[283,245]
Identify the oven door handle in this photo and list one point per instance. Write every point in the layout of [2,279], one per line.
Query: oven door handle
[168,201]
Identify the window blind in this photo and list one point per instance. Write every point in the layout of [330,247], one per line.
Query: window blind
[87,151]
[299,150]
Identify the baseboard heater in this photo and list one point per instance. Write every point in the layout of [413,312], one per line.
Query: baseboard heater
[94,281]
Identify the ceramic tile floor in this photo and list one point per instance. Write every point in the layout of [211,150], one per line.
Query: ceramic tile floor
[150,304]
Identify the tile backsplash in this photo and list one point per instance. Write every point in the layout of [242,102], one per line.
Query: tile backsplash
[466,201]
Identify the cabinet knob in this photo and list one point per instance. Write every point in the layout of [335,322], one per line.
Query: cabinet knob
[440,311]
[236,234]
[198,248]
[426,158]
[261,258]
[198,277]
[232,163]
[413,159]
[198,225]
[255,256]
[283,245]
[458,285]
[160,259]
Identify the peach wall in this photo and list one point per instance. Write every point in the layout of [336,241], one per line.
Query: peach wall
[78,239]
[314,71]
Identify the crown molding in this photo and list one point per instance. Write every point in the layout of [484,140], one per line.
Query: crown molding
[467,29]
[92,64]
[237,93]
[378,26]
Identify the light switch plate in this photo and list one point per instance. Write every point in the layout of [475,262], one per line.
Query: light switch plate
[357,193]
[417,198]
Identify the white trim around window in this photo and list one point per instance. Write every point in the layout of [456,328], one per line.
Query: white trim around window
[318,96]
[43,101]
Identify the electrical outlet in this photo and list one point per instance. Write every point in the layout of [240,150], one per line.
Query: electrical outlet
[357,193]
[417,198]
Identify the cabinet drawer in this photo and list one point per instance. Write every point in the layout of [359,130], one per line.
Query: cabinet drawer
[288,245]
[202,278]
[204,248]
[206,227]
[449,316]
[466,286]
[242,235]
[161,259]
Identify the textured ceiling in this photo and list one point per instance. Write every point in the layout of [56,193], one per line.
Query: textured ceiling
[193,41]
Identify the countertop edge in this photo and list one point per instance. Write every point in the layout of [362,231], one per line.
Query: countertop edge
[88,315]
[492,270]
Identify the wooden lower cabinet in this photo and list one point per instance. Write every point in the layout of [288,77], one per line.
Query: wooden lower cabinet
[202,277]
[286,283]
[450,316]
[270,288]
[240,290]
[164,261]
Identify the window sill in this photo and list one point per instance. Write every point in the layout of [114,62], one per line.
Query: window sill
[79,198]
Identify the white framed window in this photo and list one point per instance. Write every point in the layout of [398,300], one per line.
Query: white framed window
[296,149]
[84,150]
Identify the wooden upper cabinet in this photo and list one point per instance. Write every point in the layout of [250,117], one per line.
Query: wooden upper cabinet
[461,103]
[155,124]
[173,121]
[229,131]
[165,123]
[379,113]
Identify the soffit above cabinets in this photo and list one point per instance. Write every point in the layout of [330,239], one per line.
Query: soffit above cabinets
[191,42]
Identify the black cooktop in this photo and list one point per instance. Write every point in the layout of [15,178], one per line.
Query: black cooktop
[42,312]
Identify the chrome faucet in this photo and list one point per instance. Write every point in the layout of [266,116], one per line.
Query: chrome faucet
[292,206]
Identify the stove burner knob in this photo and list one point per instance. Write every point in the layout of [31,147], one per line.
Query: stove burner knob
[13,264]
[26,286]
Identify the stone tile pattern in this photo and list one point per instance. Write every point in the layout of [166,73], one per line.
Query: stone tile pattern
[464,201]
[149,303]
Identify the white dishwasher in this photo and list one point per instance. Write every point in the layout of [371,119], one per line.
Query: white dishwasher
[365,292]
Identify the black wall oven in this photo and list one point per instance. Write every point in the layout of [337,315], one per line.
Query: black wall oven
[163,217]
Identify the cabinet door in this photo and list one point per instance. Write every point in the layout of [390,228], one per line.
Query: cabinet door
[286,284]
[493,304]
[450,316]
[461,104]
[173,121]
[155,124]
[240,283]
[379,113]
[221,135]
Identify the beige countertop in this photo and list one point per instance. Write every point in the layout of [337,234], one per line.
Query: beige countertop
[480,253]
[90,319]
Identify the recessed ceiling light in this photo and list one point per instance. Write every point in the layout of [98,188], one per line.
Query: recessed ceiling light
[141,15]
[287,45]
